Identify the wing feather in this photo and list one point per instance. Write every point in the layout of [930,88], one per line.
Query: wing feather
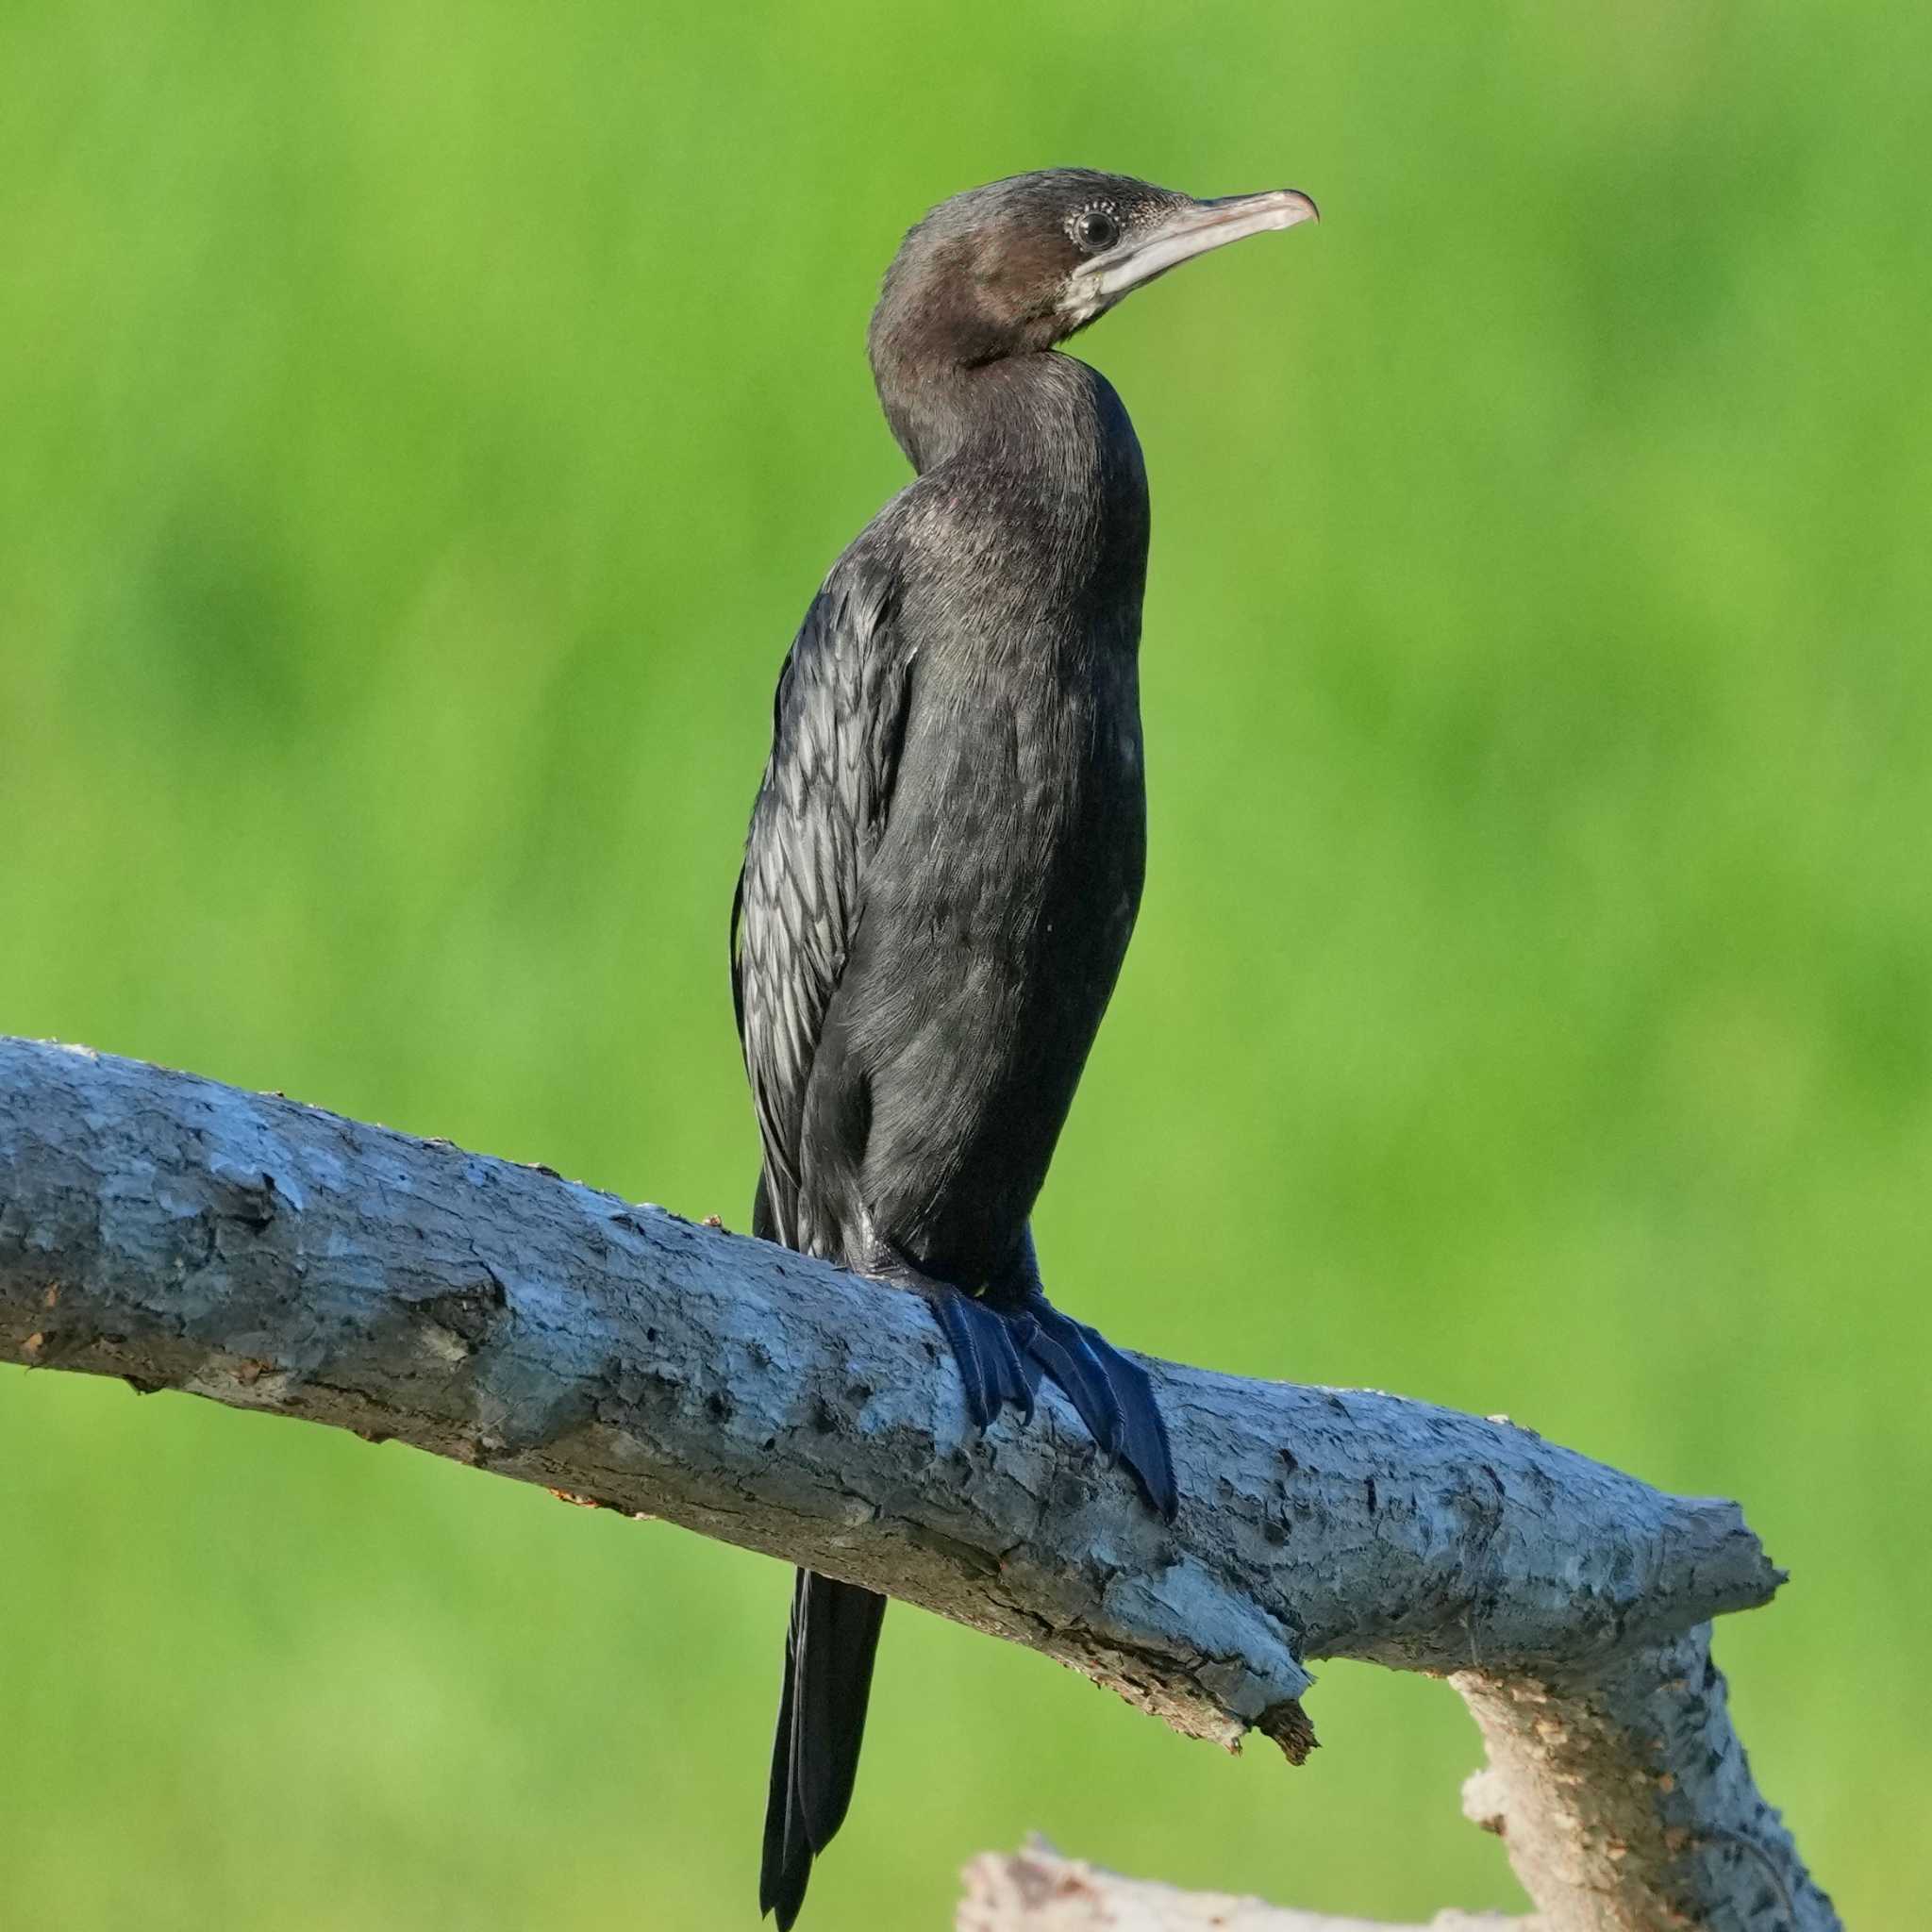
[837,725]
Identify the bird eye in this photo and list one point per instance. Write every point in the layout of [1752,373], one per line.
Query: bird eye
[1096,229]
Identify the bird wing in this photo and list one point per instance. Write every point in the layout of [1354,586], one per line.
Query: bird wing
[836,726]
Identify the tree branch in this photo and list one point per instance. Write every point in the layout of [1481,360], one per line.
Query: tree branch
[186,1235]
[1039,1890]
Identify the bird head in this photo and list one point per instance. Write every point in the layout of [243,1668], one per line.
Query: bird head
[1016,266]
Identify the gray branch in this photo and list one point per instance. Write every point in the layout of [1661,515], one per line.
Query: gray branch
[186,1235]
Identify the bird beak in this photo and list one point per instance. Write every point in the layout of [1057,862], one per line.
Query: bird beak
[1194,230]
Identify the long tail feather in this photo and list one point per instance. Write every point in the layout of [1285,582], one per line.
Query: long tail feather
[828,1659]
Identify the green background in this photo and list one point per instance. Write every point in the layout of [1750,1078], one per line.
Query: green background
[422,426]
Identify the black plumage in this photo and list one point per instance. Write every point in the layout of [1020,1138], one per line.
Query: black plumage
[945,856]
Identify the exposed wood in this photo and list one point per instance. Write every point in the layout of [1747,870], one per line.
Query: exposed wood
[186,1235]
[1039,1890]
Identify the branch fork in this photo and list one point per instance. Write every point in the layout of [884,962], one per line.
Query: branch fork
[186,1235]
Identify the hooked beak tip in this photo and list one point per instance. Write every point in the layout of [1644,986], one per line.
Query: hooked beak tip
[1275,207]
[1195,229]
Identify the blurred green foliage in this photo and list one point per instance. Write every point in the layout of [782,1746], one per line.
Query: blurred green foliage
[420,427]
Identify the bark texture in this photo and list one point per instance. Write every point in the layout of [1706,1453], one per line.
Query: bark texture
[186,1235]
[1039,1890]
[1626,1798]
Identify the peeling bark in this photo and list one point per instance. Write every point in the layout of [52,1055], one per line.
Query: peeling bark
[1626,1798]
[185,1235]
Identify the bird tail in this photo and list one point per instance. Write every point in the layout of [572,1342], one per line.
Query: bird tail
[828,1658]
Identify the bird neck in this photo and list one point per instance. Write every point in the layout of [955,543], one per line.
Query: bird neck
[1039,449]
[1042,409]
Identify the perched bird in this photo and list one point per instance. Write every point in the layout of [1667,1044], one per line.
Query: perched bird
[945,855]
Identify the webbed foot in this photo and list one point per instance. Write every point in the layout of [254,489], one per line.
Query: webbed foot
[1113,1393]
[1003,1353]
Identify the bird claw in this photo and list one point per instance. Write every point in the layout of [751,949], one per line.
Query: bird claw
[991,1364]
[1003,1355]
[1113,1395]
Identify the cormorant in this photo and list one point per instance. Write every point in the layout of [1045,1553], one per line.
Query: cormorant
[945,855]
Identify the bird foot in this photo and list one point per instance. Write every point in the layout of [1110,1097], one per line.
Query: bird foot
[1002,1355]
